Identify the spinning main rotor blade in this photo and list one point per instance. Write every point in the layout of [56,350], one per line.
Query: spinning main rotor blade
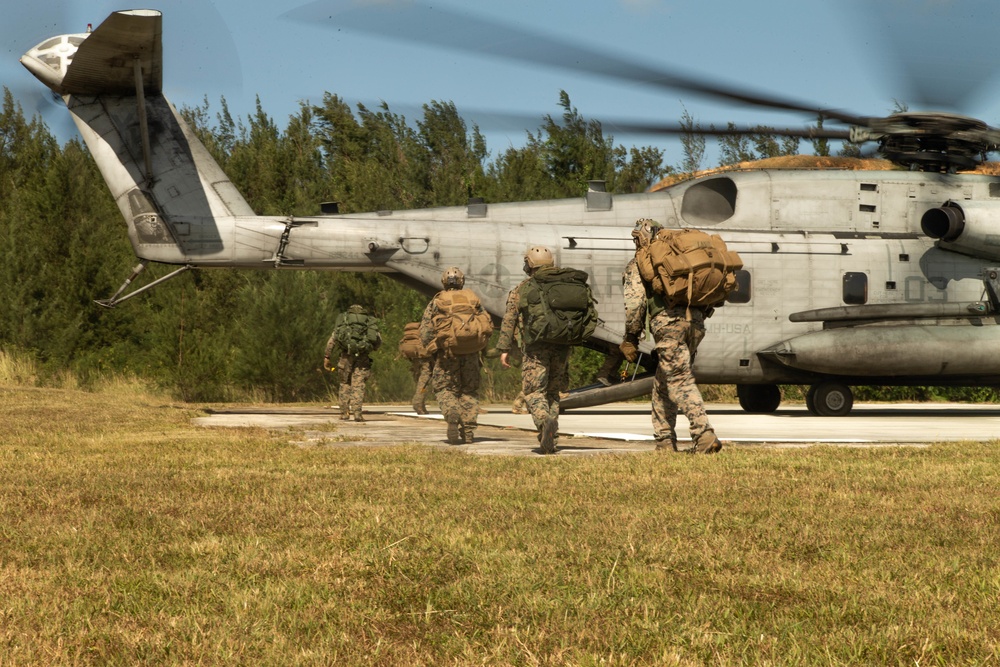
[441,27]
[492,119]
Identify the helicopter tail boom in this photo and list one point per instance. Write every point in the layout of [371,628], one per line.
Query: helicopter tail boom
[175,198]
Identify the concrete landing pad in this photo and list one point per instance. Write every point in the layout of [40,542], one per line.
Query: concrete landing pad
[626,427]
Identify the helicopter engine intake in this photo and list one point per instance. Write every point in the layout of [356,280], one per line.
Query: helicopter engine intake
[972,228]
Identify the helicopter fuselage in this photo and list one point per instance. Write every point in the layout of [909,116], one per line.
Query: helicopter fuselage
[842,282]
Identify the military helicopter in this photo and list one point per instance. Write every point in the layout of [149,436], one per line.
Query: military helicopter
[888,277]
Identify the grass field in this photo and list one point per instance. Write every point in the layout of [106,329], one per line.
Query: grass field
[128,536]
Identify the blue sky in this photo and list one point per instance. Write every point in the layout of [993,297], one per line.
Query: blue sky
[832,53]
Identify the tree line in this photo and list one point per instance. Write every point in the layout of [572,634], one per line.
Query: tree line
[228,335]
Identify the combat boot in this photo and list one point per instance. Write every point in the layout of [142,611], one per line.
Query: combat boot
[454,433]
[468,435]
[420,409]
[358,417]
[548,437]
[666,444]
[707,443]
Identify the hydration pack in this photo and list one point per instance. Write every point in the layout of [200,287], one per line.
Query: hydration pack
[557,307]
[357,333]
[689,267]
[461,325]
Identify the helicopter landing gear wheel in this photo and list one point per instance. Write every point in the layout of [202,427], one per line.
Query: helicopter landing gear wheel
[758,399]
[829,399]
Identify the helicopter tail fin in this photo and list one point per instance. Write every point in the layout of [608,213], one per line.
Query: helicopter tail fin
[171,192]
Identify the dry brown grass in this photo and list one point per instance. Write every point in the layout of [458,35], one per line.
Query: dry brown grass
[127,536]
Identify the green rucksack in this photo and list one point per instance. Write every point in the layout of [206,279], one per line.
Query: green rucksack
[557,307]
[356,333]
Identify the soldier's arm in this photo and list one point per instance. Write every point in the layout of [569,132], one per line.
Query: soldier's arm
[329,350]
[426,330]
[510,316]
[635,300]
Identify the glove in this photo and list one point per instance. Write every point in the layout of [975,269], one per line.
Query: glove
[629,348]
[326,364]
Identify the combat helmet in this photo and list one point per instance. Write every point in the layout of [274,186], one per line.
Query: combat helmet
[537,257]
[357,310]
[453,278]
[645,230]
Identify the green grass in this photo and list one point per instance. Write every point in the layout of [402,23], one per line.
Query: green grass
[128,536]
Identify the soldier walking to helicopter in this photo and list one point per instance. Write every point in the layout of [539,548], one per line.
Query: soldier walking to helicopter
[355,336]
[677,330]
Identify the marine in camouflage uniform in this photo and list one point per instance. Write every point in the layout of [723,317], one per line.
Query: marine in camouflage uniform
[353,371]
[544,366]
[677,339]
[456,377]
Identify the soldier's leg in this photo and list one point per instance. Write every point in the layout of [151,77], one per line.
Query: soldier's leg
[344,367]
[359,379]
[558,385]
[681,390]
[534,385]
[445,387]
[608,373]
[664,409]
[469,379]
[422,380]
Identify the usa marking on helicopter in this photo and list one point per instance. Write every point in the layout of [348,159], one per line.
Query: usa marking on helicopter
[850,277]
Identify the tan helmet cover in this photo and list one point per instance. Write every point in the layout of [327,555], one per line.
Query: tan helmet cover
[538,256]
[453,277]
[645,230]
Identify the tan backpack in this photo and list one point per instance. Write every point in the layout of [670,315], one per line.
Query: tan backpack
[409,345]
[689,267]
[461,325]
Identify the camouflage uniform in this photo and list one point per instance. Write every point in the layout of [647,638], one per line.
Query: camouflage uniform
[677,340]
[422,369]
[544,370]
[353,372]
[456,383]
[608,372]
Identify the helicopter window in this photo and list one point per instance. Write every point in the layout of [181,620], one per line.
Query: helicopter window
[869,187]
[742,292]
[855,288]
[995,189]
[710,202]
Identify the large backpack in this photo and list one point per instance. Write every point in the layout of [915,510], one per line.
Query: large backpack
[689,267]
[557,307]
[461,325]
[356,333]
[409,345]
